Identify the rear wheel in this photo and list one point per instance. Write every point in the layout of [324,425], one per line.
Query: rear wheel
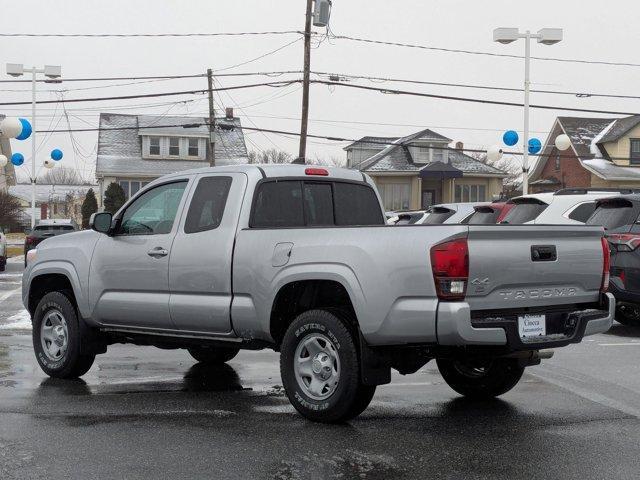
[214,355]
[57,338]
[320,369]
[628,314]
[480,378]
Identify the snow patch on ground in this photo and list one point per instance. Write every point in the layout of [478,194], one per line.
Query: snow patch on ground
[19,321]
[16,259]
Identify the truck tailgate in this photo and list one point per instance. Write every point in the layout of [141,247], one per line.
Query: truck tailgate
[519,266]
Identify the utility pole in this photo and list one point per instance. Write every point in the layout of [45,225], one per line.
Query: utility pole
[212,121]
[302,154]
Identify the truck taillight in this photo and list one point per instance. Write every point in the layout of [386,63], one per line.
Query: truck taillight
[450,266]
[28,240]
[606,264]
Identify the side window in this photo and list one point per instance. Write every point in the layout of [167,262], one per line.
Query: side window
[278,204]
[154,211]
[207,205]
[356,205]
[318,204]
[583,211]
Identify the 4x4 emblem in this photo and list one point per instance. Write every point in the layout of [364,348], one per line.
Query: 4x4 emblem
[480,281]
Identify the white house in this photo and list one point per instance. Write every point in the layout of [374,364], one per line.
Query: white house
[136,149]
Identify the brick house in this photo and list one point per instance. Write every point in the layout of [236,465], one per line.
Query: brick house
[604,153]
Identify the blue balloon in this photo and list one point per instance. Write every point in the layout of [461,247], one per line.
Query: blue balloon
[56,154]
[17,159]
[535,146]
[26,129]
[510,137]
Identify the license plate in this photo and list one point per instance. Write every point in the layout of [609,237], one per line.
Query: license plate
[532,326]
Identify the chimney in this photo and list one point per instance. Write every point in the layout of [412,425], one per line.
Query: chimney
[459,146]
[229,113]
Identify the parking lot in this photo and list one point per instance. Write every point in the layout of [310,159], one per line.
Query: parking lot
[157,414]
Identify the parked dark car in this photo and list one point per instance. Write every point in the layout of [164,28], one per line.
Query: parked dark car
[46,229]
[620,218]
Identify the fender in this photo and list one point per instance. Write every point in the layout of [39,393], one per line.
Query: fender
[58,267]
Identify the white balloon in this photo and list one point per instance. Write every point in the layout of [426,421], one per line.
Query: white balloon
[494,153]
[49,163]
[3,161]
[11,127]
[563,142]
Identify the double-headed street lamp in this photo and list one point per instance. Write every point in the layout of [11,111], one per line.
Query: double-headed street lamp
[546,36]
[52,72]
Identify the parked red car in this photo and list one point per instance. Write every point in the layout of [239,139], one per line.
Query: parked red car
[489,214]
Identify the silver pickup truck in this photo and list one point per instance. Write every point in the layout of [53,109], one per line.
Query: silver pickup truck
[299,259]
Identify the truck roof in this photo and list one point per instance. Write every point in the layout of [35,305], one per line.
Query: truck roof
[271,170]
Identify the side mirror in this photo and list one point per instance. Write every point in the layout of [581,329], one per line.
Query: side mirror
[100,222]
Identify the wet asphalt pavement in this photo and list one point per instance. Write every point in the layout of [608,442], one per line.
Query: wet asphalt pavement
[142,412]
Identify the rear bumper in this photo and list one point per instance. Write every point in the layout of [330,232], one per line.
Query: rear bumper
[455,327]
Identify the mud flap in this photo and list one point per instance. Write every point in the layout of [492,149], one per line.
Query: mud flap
[374,370]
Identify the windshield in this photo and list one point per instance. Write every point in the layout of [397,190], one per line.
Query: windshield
[612,215]
[524,212]
[53,228]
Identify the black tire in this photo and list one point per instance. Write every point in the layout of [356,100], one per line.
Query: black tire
[628,314]
[349,396]
[72,363]
[480,378]
[214,355]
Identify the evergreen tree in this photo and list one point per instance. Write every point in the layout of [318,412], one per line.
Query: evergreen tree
[89,207]
[114,198]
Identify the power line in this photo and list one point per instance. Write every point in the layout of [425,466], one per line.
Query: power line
[475,52]
[163,94]
[148,35]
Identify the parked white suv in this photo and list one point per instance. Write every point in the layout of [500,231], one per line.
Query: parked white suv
[564,207]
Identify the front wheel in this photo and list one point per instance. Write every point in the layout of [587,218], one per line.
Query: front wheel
[320,369]
[480,378]
[57,339]
[628,314]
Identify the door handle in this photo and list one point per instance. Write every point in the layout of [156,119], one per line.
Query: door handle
[158,252]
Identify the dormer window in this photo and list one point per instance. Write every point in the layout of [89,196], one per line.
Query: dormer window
[154,146]
[174,146]
[193,147]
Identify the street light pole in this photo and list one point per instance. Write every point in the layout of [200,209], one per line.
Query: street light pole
[527,85]
[546,36]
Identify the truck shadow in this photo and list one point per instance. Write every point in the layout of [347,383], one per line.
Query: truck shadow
[624,331]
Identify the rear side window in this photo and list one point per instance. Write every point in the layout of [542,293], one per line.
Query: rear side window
[438,215]
[484,216]
[292,203]
[356,205]
[524,212]
[583,211]
[278,204]
[207,205]
[612,215]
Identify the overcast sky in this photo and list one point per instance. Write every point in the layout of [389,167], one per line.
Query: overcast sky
[592,32]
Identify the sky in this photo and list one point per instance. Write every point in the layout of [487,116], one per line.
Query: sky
[591,32]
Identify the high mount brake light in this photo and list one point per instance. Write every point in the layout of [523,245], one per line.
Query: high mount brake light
[316,171]
[606,264]
[450,267]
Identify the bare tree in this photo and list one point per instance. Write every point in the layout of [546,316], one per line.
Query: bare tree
[271,155]
[10,211]
[507,165]
[62,176]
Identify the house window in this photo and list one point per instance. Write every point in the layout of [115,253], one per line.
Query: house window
[438,154]
[634,157]
[154,146]
[174,146]
[194,151]
[131,187]
[471,193]
[395,196]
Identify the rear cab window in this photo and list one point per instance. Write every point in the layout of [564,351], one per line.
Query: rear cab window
[614,215]
[525,211]
[306,203]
